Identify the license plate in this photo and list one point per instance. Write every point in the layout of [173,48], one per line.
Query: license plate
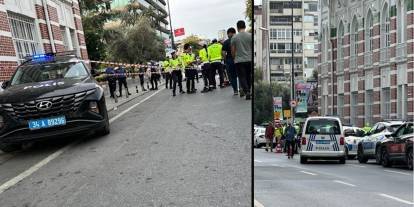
[47,122]
[322,141]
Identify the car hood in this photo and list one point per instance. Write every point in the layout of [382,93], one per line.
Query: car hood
[32,91]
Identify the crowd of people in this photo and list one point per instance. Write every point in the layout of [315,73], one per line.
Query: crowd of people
[285,135]
[231,60]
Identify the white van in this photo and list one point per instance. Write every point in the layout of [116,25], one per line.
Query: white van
[322,138]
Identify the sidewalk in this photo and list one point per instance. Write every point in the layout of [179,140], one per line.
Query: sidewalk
[132,83]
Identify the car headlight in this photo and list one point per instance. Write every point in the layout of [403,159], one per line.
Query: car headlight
[93,106]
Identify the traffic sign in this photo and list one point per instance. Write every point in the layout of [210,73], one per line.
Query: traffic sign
[293,103]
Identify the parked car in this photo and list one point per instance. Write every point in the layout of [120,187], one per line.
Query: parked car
[323,138]
[370,145]
[259,137]
[398,146]
[50,96]
[353,136]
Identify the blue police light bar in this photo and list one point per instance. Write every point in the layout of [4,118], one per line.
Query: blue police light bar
[43,57]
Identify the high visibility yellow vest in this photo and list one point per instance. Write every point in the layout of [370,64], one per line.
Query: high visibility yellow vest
[166,65]
[214,52]
[186,59]
[203,55]
[175,64]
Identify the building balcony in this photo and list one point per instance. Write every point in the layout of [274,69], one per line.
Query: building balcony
[286,51]
[384,55]
[340,65]
[368,59]
[353,64]
[401,51]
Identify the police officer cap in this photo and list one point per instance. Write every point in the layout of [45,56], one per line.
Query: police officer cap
[214,41]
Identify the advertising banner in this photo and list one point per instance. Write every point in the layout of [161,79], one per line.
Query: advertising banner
[302,95]
[277,108]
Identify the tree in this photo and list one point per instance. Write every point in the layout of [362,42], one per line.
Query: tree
[194,42]
[263,100]
[137,44]
[249,11]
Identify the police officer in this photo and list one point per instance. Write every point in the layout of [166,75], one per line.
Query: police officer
[215,52]
[121,75]
[154,76]
[205,67]
[177,75]
[141,73]
[110,77]
[167,72]
[187,60]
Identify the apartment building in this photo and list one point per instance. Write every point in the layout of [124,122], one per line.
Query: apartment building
[38,26]
[258,47]
[277,18]
[366,60]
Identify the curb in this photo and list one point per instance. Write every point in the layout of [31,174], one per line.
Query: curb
[129,100]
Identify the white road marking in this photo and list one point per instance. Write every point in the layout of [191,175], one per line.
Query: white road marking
[257,203]
[51,157]
[353,165]
[397,199]
[309,173]
[344,183]
[392,171]
[258,161]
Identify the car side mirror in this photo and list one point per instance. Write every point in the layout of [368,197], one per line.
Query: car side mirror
[5,84]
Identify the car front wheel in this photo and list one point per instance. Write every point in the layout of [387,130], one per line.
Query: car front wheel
[378,155]
[360,155]
[342,160]
[303,160]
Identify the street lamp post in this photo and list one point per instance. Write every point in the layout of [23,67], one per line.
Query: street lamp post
[268,50]
[171,31]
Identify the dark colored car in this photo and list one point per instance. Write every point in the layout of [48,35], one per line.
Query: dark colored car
[50,96]
[398,146]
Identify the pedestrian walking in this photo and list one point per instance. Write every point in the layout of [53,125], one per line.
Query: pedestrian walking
[290,133]
[269,133]
[278,133]
[122,80]
[176,73]
[205,67]
[241,50]
[229,62]
[187,61]
[167,72]
[215,53]
[111,79]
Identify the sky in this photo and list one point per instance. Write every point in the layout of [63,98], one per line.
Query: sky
[206,17]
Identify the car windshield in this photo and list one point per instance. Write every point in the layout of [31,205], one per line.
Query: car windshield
[323,126]
[393,128]
[359,133]
[49,71]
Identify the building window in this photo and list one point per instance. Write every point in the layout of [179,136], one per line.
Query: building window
[310,62]
[354,107]
[308,18]
[311,7]
[370,32]
[75,44]
[24,35]
[340,105]
[369,99]
[402,101]
[401,18]
[385,103]
[64,37]
[354,37]
[385,27]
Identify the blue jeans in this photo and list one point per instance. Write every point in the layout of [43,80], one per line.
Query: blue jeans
[231,71]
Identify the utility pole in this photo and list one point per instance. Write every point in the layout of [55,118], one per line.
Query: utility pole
[172,32]
[292,69]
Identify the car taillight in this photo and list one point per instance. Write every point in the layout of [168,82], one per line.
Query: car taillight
[303,140]
[341,141]
[93,106]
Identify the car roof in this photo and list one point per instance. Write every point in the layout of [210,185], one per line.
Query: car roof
[389,123]
[323,117]
[351,127]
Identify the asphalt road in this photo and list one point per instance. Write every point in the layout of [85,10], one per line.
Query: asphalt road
[188,150]
[286,183]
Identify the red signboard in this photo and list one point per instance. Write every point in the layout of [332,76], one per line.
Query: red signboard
[179,32]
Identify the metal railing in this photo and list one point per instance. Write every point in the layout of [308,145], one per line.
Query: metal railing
[384,55]
[368,59]
[401,51]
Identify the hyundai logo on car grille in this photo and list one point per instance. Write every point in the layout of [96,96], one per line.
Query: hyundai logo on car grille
[43,105]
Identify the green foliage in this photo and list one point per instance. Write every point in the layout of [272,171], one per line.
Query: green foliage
[249,11]
[194,41]
[263,99]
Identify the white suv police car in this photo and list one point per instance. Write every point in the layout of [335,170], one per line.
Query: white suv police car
[322,138]
[370,146]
